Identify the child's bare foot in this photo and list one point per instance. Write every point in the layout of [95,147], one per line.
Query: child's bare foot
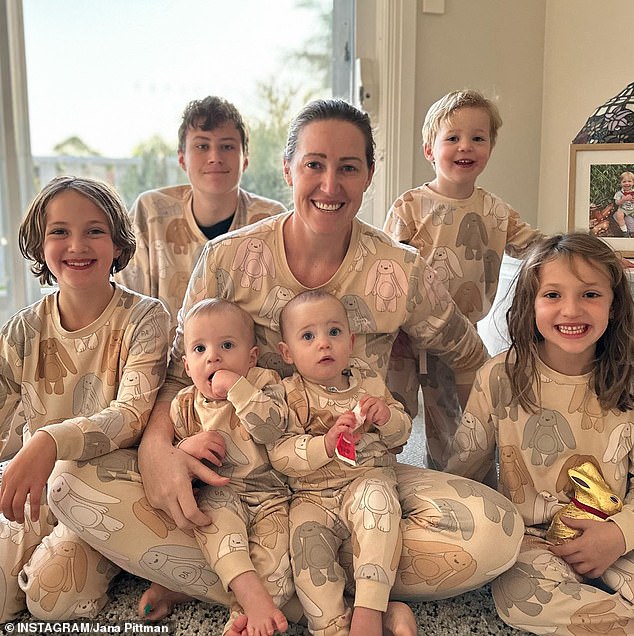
[264,618]
[399,620]
[366,622]
[158,602]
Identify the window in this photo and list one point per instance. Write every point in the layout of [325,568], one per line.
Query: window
[107,84]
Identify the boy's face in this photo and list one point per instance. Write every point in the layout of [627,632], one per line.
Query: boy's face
[460,152]
[214,160]
[219,340]
[318,341]
[627,183]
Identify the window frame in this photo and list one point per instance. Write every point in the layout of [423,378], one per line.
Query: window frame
[382,31]
[16,187]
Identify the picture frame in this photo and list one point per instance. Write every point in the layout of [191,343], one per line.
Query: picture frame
[594,179]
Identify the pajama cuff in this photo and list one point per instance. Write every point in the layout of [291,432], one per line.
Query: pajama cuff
[372,594]
[232,565]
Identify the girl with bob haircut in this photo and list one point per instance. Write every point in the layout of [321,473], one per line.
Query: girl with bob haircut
[558,407]
[83,365]
[103,195]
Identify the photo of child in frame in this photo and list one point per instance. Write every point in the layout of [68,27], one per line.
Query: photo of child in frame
[611,212]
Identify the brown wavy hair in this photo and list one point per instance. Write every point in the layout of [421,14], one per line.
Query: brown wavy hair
[612,377]
[210,113]
[102,194]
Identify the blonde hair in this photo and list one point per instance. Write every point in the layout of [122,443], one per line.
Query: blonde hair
[613,374]
[104,196]
[443,110]
[629,175]
[211,306]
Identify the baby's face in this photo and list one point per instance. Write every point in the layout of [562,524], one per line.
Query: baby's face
[318,341]
[627,184]
[217,341]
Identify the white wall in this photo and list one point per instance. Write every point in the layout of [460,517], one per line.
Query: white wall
[587,60]
[549,63]
[496,46]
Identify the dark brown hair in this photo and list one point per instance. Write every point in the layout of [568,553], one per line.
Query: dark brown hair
[323,110]
[208,114]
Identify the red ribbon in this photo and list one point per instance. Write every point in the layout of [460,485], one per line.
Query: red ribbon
[593,511]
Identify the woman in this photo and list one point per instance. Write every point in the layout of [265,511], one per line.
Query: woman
[457,534]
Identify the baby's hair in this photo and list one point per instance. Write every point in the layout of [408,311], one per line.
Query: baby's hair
[104,196]
[443,110]
[612,376]
[210,306]
[628,174]
[311,295]
[210,113]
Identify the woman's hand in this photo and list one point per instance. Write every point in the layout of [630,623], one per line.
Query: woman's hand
[26,475]
[167,472]
[591,554]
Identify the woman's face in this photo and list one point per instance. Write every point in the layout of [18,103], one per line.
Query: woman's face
[329,175]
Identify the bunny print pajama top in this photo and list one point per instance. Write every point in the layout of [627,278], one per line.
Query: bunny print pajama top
[92,391]
[169,241]
[463,241]
[541,593]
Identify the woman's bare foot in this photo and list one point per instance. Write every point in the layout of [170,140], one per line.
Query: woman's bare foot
[158,602]
[238,627]
[399,620]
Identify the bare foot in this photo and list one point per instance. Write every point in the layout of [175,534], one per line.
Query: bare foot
[238,627]
[399,620]
[264,617]
[158,602]
[366,622]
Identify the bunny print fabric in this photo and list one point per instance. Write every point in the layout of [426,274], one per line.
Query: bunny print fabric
[536,450]
[463,241]
[92,390]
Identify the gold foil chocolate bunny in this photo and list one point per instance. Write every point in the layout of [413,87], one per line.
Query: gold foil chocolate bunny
[593,499]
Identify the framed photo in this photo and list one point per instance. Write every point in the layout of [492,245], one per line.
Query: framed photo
[601,193]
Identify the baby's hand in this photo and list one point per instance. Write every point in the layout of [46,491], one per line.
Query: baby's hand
[345,424]
[599,546]
[375,410]
[207,445]
[222,381]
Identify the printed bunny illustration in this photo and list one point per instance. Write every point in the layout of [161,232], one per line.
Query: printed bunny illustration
[446,264]
[386,281]
[53,366]
[255,260]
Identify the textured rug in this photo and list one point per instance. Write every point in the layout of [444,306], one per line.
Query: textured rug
[472,614]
